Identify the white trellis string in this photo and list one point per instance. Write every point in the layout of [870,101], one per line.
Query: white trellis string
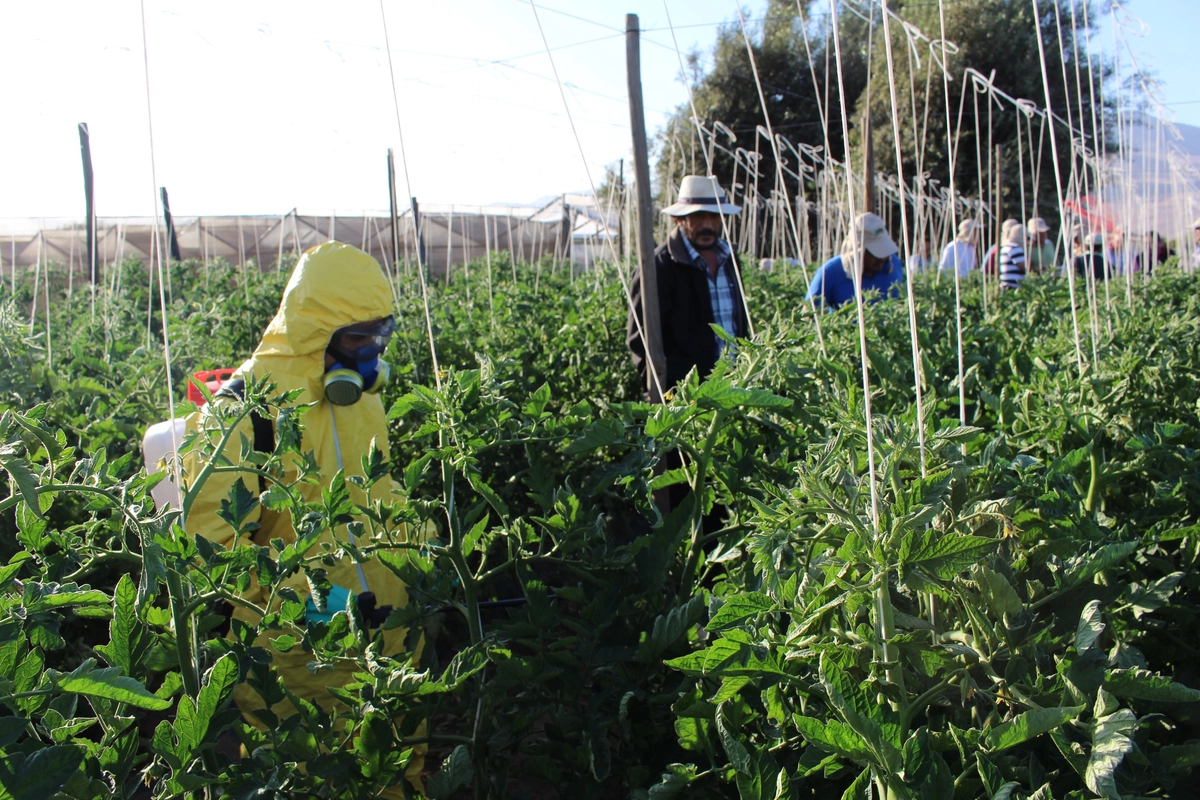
[904,235]
[1057,179]
[658,383]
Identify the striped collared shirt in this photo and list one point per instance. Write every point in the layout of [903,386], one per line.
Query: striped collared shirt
[720,289]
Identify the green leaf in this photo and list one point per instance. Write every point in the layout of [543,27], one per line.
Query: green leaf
[537,401]
[859,788]
[239,504]
[718,393]
[1091,625]
[725,657]
[108,684]
[599,755]
[1156,595]
[673,782]
[1111,741]
[1141,684]
[1001,597]
[738,608]
[600,433]
[22,476]
[1029,725]
[1179,757]
[946,555]
[11,729]
[667,418]
[125,632]
[961,434]
[739,756]
[43,774]
[1084,566]
[834,736]
[454,775]
[221,679]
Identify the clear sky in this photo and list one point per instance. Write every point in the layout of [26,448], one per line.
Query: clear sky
[260,106]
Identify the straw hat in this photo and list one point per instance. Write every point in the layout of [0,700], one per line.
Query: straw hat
[698,193]
[1038,225]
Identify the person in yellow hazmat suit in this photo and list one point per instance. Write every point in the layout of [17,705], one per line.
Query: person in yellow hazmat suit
[326,340]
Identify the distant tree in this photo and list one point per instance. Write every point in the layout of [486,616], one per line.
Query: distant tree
[996,38]
[795,89]
[799,80]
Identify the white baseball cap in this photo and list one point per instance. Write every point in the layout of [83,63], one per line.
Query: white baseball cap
[1038,225]
[872,234]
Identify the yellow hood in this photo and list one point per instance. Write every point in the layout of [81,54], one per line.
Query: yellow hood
[333,285]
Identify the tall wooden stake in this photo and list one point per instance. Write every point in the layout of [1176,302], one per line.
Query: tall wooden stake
[651,324]
[998,208]
[391,166]
[169,221]
[868,205]
[416,212]
[85,149]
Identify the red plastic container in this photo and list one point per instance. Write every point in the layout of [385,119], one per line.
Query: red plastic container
[212,380]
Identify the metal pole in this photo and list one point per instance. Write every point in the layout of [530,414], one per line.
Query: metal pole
[651,324]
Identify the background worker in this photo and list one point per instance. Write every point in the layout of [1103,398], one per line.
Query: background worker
[1040,255]
[875,259]
[959,255]
[1092,259]
[698,285]
[1012,257]
[333,324]
[1196,243]
[989,258]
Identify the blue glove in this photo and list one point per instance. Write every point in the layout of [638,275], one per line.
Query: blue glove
[335,602]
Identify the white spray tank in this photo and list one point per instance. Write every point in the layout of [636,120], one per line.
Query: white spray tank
[162,438]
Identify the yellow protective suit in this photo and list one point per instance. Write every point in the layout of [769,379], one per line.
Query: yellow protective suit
[333,285]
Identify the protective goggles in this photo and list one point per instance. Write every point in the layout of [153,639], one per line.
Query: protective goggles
[364,341]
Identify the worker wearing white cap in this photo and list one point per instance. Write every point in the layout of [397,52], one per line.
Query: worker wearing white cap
[959,255]
[1040,255]
[871,251]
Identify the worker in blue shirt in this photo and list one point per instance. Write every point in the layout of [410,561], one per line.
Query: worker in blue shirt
[882,272]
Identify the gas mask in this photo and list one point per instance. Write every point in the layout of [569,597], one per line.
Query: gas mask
[359,368]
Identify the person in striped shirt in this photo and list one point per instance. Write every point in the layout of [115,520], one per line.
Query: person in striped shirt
[1012,258]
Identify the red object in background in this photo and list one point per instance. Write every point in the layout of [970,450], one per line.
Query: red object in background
[212,380]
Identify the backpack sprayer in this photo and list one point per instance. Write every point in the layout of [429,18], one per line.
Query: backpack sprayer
[162,438]
[159,447]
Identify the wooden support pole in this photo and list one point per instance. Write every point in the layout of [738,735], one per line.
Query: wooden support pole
[391,168]
[169,221]
[868,205]
[416,213]
[651,324]
[998,207]
[85,149]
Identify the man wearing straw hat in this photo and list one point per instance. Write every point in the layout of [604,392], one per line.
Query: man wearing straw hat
[1041,251]
[699,284]
[872,252]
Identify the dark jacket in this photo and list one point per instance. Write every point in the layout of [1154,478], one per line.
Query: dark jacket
[686,313]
